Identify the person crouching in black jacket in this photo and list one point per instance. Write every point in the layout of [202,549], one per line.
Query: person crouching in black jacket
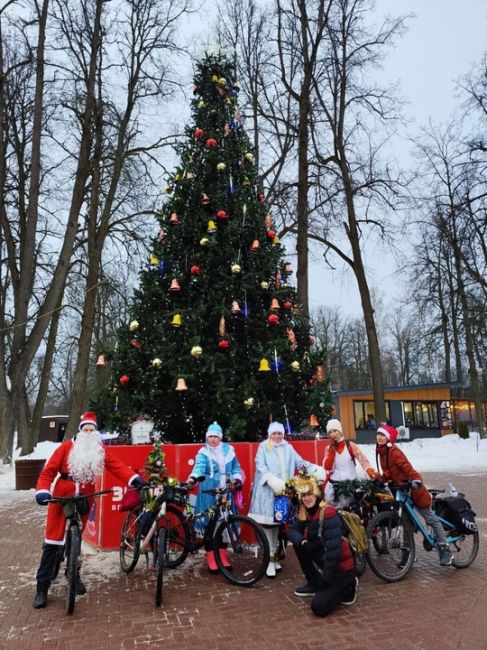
[324,555]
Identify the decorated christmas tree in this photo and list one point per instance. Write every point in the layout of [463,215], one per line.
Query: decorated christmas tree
[216,332]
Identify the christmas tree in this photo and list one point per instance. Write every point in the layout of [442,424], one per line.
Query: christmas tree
[216,333]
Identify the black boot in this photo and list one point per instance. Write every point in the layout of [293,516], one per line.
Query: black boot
[40,599]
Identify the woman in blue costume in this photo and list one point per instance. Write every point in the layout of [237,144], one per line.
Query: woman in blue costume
[276,461]
[217,463]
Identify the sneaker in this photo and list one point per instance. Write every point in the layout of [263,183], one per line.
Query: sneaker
[271,570]
[307,590]
[404,558]
[353,594]
[446,557]
[277,566]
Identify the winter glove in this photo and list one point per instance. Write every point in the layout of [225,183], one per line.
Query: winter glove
[138,482]
[275,483]
[317,472]
[237,484]
[371,473]
[416,484]
[42,497]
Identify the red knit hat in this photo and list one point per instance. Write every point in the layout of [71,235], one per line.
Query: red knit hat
[389,432]
[88,418]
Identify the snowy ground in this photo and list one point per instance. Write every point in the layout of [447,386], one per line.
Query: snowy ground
[448,454]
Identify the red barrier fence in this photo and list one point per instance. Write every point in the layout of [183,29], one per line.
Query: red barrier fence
[105,520]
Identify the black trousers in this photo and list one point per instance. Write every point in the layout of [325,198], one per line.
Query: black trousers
[328,596]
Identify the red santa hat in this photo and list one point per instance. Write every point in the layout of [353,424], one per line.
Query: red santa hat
[88,418]
[389,432]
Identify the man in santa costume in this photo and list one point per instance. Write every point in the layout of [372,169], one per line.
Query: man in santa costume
[74,466]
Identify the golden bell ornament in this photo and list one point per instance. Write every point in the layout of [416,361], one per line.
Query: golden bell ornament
[246,181]
[264,366]
[174,220]
[189,175]
[201,104]
[153,260]
[177,320]
[235,308]
[313,421]
[254,247]
[320,373]
[175,286]
[157,363]
[275,306]
[215,77]
[211,226]
[102,360]
[295,366]
[134,325]
[276,241]
[181,385]
[196,351]
[222,81]
[236,268]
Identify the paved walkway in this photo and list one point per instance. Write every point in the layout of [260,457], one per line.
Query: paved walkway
[433,608]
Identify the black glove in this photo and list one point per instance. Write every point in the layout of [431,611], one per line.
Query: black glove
[416,484]
[138,482]
[237,484]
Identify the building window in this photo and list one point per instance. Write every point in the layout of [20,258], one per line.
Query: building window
[364,414]
[423,415]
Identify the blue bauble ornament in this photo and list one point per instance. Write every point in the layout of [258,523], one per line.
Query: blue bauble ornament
[277,365]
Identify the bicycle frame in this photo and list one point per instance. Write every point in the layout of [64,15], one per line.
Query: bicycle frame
[406,503]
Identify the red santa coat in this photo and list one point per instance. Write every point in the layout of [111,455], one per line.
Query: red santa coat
[58,463]
[396,467]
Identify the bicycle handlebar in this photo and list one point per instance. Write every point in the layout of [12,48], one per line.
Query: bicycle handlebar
[78,497]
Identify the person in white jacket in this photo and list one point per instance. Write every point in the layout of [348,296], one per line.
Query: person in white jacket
[276,461]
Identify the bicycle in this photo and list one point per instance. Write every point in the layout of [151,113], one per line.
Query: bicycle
[392,549]
[74,508]
[138,536]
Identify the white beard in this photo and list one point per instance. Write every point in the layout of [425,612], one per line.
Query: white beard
[87,457]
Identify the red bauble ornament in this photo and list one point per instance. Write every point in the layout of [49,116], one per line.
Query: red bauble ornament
[287,304]
[222,214]
[195,269]
[205,199]
[271,234]
[124,380]
[261,197]
[199,133]
[223,344]
[211,142]
[135,343]
[311,341]
[273,319]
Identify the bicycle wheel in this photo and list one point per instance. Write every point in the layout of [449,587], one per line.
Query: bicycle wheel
[130,541]
[465,550]
[391,547]
[160,562]
[247,550]
[178,537]
[72,566]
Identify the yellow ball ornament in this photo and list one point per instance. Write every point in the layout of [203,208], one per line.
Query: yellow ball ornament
[134,325]
[221,167]
[157,363]
[196,351]
[204,241]
[236,268]
[295,366]
[264,285]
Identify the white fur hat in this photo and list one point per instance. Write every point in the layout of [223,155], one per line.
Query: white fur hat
[334,425]
[275,427]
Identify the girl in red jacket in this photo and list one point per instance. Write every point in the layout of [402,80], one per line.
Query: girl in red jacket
[396,467]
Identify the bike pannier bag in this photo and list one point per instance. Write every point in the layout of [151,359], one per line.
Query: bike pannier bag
[458,511]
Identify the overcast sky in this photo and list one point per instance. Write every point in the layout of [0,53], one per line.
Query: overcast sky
[445,38]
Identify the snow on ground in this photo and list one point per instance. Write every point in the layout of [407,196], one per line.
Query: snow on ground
[447,454]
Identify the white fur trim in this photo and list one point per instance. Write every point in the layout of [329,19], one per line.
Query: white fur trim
[317,472]
[384,432]
[276,484]
[57,542]
[132,478]
[262,519]
[265,478]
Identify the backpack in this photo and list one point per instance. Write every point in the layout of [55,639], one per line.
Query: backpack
[458,511]
[354,531]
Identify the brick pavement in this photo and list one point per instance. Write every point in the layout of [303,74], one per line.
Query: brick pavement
[433,608]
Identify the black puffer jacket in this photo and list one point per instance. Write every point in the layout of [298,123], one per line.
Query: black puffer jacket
[333,553]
